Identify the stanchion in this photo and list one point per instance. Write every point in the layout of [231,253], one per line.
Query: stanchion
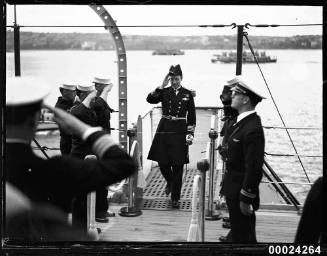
[91,197]
[213,135]
[203,166]
[131,210]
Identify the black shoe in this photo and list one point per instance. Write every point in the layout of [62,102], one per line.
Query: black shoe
[168,189]
[101,217]
[110,214]
[223,239]
[175,204]
[99,230]
[226,225]
[226,219]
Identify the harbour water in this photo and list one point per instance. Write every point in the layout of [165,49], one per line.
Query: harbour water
[295,82]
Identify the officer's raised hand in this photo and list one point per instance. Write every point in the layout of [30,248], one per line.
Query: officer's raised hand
[165,81]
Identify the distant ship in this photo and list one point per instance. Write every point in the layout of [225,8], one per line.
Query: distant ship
[231,57]
[168,52]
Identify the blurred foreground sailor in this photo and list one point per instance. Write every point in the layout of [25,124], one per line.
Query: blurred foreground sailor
[311,229]
[175,131]
[55,181]
[65,102]
[244,160]
[27,220]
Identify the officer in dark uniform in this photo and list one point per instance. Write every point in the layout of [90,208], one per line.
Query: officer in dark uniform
[175,130]
[65,102]
[245,154]
[59,179]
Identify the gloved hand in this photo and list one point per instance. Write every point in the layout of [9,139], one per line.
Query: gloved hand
[189,139]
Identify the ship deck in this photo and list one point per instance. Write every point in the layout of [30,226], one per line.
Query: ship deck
[172,226]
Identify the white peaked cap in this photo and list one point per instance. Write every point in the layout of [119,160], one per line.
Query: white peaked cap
[101,80]
[25,90]
[86,87]
[244,83]
[68,86]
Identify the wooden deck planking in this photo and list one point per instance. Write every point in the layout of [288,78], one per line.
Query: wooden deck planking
[173,225]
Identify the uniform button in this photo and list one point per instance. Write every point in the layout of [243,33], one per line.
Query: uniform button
[179,107]
[29,170]
[180,103]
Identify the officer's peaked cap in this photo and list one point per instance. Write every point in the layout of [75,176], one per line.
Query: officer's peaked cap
[241,84]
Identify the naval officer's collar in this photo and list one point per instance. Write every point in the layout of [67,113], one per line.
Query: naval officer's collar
[243,115]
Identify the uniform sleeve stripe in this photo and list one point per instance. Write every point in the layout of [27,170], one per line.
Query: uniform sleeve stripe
[101,145]
[247,194]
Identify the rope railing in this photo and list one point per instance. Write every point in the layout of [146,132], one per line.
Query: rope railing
[232,25]
[273,100]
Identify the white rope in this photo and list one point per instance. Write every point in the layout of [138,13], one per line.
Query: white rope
[194,232]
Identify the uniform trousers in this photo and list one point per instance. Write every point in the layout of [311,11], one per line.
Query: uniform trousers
[101,206]
[173,174]
[242,226]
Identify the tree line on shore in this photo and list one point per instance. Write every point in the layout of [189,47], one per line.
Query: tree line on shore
[103,41]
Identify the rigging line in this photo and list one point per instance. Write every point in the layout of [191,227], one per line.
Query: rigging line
[289,136]
[292,128]
[126,26]
[273,154]
[247,25]
[39,146]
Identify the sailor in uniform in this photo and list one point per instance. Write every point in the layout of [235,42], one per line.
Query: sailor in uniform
[175,131]
[83,111]
[65,102]
[244,160]
[100,105]
[61,178]
[102,110]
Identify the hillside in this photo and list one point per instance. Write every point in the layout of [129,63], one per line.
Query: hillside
[90,41]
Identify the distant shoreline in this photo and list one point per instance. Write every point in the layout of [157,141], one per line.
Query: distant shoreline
[103,41]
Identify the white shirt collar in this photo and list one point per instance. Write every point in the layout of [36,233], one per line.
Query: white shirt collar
[244,114]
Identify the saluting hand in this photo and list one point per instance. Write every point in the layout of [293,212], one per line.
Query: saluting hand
[165,81]
[246,209]
[67,122]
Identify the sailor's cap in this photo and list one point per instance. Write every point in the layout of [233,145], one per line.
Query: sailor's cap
[101,80]
[241,84]
[68,86]
[85,87]
[25,91]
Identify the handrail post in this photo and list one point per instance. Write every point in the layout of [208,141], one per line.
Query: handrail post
[131,210]
[213,135]
[91,198]
[202,166]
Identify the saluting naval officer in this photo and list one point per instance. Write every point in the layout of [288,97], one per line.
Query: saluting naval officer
[65,102]
[244,160]
[61,178]
[175,130]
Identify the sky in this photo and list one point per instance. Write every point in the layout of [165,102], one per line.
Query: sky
[126,15]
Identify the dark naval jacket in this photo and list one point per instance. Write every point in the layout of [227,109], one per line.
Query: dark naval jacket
[61,178]
[169,143]
[102,111]
[245,154]
[65,138]
[79,148]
